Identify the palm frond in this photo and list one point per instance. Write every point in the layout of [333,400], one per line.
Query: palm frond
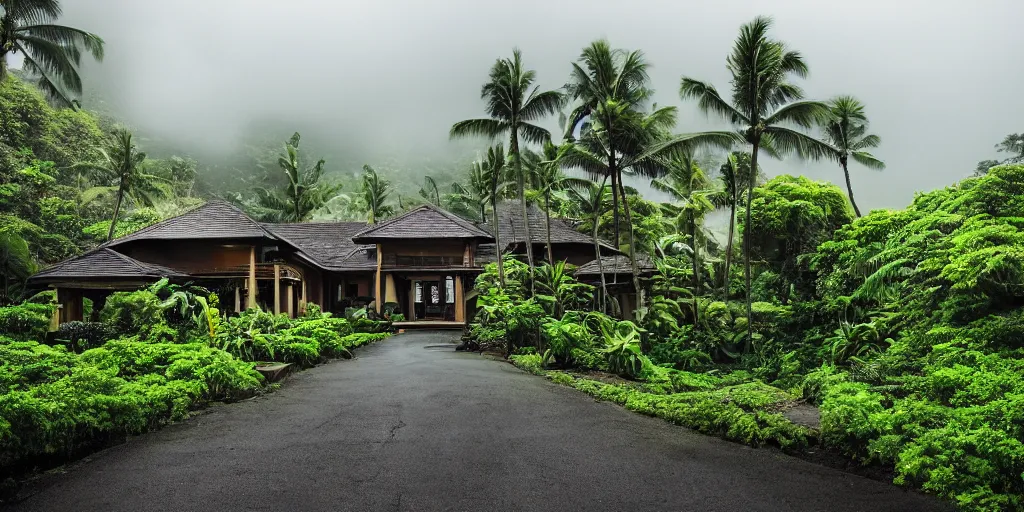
[541,104]
[802,113]
[490,128]
[787,141]
[709,100]
[867,160]
[534,134]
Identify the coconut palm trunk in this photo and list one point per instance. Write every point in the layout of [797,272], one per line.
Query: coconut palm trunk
[521,185]
[597,245]
[728,244]
[746,249]
[849,186]
[695,258]
[547,223]
[632,248]
[497,238]
[117,211]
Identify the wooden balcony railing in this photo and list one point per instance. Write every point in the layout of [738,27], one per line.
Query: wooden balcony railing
[396,261]
[263,271]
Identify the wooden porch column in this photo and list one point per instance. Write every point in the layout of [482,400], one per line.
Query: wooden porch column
[303,299]
[376,289]
[55,317]
[460,304]
[290,300]
[238,299]
[70,305]
[277,289]
[390,293]
[250,301]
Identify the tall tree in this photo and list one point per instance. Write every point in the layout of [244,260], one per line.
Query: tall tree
[764,103]
[591,203]
[303,194]
[122,164]
[846,131]
[550,179]
[430,192]
[52,53]
[689,186]
[616,135]
[1012,144]
[733,175]
[494,169]
[513,104]
[375,195]
[473,198]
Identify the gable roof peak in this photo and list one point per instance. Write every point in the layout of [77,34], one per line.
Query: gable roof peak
[423,222]
[215,218]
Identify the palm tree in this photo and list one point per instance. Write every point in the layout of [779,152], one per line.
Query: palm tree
[617,136]
[495,166]
[122,163]
[764,102]
[430,192]
[733,177]
[303,194]
[513,104]
[16,263]
[550,178]
[51,52]
[591,204]
[687,184]
[375,195]
[845,131]
[473,198]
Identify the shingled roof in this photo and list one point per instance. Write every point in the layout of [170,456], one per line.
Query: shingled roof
[327,244]
[617,264]
[424,222]
[214,219]
[512,229]
[104,263]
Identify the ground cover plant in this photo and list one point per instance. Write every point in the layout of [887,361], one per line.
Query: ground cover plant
[155,356]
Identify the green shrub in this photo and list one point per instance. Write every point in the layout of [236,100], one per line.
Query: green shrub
[135,313]
[80,336]
[367,325]
[28,321]
[55,404]
[532,363]
[359,339]
[738,413]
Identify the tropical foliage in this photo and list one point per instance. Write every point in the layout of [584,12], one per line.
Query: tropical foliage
[51,53]
[302,195]
[156,355]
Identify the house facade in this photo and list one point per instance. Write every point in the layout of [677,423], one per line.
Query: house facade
[421,264]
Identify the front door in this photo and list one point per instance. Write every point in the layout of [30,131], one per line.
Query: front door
[432,299]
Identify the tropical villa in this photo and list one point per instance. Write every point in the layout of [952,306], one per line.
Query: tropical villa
[422,263]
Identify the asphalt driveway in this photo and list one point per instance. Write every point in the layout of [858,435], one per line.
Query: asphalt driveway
[409,424]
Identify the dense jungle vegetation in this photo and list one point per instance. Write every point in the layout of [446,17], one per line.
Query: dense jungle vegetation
[902,327]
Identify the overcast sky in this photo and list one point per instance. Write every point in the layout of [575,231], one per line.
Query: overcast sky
[385,79]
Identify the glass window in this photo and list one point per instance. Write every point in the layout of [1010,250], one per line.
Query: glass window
[419,292]
[449,287]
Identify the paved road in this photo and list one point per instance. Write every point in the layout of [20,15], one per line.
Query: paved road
[409,424]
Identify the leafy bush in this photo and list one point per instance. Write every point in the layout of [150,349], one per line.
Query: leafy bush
[370,326]
[359,339]
[28,321]
[134,313]
[81,336]
[56,404]
[532,363]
